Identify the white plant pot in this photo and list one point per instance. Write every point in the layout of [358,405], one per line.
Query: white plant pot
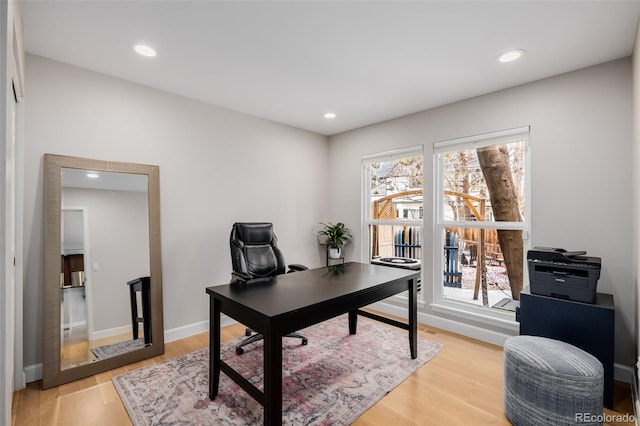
[334,253]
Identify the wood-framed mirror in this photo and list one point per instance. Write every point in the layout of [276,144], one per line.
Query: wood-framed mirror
[102,296]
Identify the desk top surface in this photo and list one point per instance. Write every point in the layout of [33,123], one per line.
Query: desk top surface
[298,290]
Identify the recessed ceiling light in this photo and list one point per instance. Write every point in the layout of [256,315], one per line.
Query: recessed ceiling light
[329,115]
[144,50]
[93,175]
[511,55]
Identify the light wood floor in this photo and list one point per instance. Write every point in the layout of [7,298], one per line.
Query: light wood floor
[462,385]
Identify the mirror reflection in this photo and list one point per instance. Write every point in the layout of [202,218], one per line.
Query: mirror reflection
[105,308]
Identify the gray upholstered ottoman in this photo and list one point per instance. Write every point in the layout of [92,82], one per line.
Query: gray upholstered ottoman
[548,382]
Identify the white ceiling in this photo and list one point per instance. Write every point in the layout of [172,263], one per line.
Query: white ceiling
[292,61]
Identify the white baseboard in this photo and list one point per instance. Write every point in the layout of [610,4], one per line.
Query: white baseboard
[68,325]
[193,329]
[621,372]
[22,382]
[110,332]
[34,372]
[169,335]
[457,327]
[185,331]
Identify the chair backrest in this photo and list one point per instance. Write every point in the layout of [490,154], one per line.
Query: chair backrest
[254,250]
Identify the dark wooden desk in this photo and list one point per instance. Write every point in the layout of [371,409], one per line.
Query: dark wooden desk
[297,300]
[142,285]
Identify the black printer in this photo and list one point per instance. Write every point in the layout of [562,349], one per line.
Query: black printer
[559,273]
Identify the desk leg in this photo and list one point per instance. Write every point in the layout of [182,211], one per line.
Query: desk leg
[146,314]
[353,322]
[272,378]
[214,347]
[134,312]
[413,318]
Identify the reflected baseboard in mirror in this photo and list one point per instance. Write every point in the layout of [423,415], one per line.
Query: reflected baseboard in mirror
[100,233]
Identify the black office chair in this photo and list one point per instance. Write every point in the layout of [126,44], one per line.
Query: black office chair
[255,257]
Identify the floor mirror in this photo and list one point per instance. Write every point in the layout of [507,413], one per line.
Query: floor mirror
[102,298]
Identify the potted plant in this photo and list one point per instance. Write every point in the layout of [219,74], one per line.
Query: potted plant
[337,235]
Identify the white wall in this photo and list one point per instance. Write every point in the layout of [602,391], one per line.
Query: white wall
[216,167]
[6,311]
[580,168]
[635,158]
[11,113]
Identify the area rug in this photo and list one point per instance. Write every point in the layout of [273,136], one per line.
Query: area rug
[108,351]
[330,381]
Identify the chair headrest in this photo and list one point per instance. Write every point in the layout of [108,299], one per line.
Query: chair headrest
[254,233]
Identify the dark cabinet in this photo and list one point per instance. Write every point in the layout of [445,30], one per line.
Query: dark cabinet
[588,326]
[72,267]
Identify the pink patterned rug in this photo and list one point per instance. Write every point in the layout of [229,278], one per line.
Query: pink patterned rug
[331,381]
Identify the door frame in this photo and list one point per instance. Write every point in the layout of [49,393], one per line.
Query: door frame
[11,210]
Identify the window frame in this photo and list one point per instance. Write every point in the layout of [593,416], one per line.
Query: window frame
[367,221]
[460,308]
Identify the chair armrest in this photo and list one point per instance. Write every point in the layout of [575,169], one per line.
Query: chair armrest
[244,278]
[297,267]
[240,277]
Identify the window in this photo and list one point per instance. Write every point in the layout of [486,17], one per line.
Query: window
[481,220]
[393,208]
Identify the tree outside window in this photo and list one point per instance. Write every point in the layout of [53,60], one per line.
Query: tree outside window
[481,219]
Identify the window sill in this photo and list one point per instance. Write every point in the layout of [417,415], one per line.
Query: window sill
[503,320]
[404,299]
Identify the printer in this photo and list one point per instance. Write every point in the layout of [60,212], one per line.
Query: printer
[556,272]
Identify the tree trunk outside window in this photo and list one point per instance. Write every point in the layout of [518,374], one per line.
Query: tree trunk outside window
[494,162]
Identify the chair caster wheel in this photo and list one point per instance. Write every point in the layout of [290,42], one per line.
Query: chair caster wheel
[239,351]
[305,341]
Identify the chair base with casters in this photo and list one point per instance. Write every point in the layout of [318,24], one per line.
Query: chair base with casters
[256,337]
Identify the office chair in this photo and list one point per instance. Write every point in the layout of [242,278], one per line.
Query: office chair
[255,257]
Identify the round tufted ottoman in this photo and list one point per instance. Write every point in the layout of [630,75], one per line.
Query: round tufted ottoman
[548,382]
